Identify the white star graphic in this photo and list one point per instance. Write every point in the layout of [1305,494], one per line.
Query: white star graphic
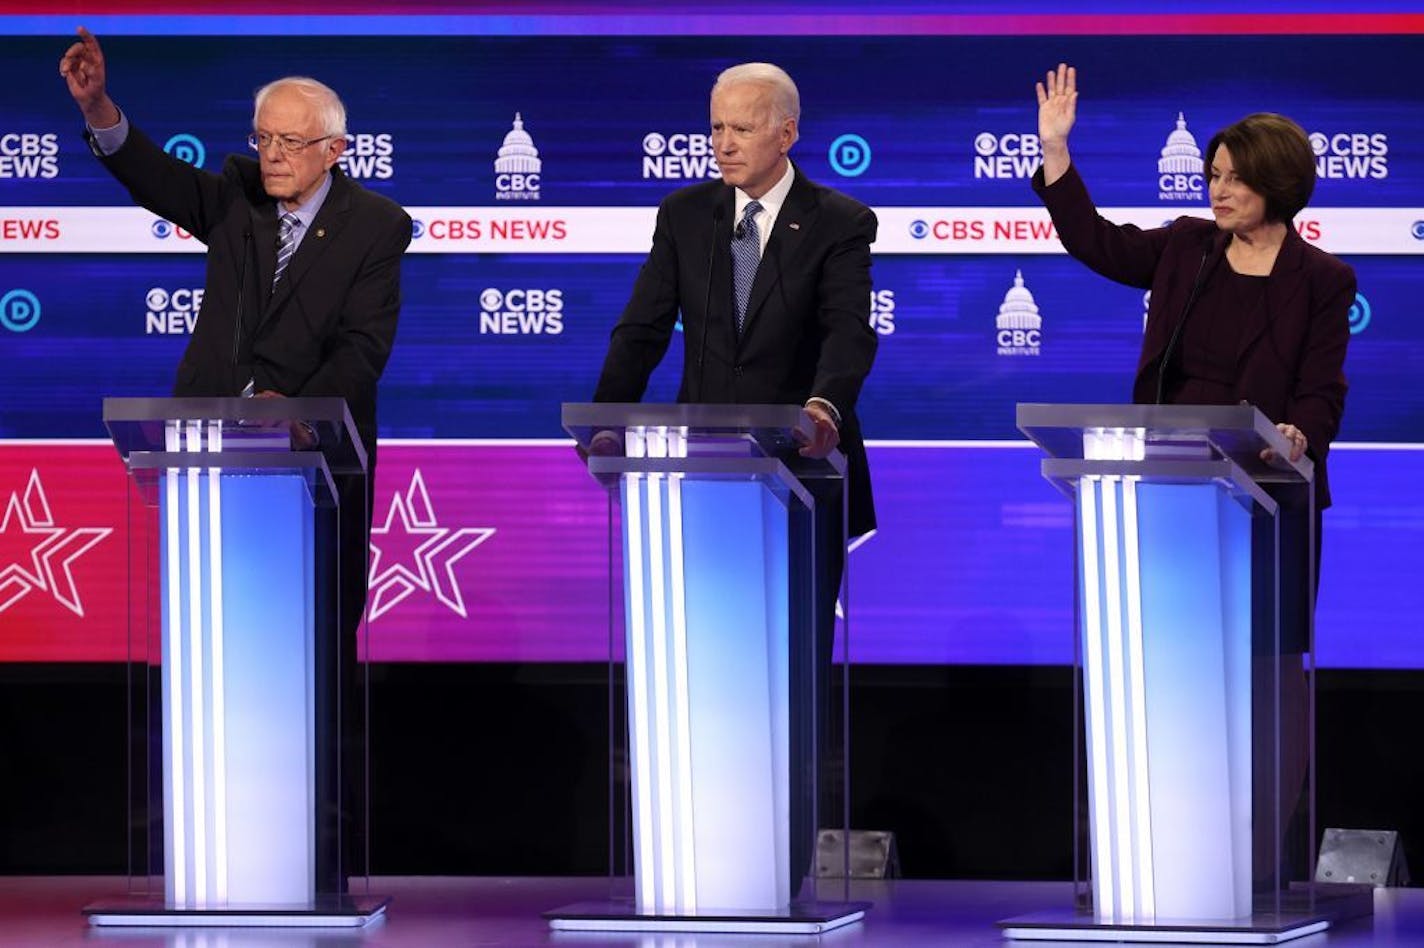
[29,514]
[433,557]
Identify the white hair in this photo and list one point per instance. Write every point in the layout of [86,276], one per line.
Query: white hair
[321,96]
[785,99]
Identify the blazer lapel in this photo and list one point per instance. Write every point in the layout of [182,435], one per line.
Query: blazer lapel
[1284,282]
[264,248]
[324,227]
[721,308]
[793,222]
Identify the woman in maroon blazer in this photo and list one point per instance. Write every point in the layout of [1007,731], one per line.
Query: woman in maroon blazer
[1242,309]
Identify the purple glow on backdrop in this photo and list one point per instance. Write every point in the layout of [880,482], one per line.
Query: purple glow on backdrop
[972,563]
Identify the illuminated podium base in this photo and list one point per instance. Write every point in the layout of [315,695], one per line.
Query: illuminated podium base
[334,912]
[1300,915]
[619,915]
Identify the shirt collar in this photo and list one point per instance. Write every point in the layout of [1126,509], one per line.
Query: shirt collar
[772,200]
[307,212]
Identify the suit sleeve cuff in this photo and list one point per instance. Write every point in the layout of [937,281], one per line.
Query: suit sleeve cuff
[105,141]
[826,404]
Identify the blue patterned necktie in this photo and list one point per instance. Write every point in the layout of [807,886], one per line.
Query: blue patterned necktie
[286,245]
[746,255]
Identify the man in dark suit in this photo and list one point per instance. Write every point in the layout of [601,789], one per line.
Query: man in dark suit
[771,274]
[804,335]
[303,279]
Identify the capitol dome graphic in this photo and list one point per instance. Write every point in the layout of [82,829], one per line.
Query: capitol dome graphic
[1180,155]
[517,155]
[1019,324]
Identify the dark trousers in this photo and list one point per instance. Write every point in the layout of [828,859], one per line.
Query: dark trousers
[343,545]
[1280,696]
[820,539]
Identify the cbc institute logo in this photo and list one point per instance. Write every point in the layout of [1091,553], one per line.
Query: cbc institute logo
[1179,168]
[1018,326]
[518,168]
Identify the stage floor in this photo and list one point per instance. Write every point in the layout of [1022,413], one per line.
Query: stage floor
[430,911]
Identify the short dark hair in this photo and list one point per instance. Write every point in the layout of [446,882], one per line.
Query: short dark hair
[1273,157]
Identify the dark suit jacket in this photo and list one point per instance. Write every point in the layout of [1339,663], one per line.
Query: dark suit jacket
[1291,359]
[329,327]
[807,330]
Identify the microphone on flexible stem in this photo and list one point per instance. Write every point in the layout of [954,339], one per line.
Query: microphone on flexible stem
[1181,322]
[241,286]
[718,213]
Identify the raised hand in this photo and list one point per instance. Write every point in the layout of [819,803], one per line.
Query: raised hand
[1057,104]
[82,67]
[1057,110]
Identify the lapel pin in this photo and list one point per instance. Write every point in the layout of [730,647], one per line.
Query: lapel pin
[321,231]
[794,225]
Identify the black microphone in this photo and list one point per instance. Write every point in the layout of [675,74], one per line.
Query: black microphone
[241,285]
[740,230]
[718,213]
[1182,321]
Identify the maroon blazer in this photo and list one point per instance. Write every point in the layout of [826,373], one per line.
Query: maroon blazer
[1291,358]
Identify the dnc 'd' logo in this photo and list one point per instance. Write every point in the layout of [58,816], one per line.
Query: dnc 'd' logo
[19,310]
[187,148]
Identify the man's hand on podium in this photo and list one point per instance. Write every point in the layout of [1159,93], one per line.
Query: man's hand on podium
[823,435]
[607,443]
[304,436]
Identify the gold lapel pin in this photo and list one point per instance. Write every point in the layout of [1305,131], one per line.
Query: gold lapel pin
[321,231]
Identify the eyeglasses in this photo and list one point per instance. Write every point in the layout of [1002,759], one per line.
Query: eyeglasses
[287,144]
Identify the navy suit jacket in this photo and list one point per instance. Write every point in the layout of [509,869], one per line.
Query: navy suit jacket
[807,331]
[1291,360]
[329,327]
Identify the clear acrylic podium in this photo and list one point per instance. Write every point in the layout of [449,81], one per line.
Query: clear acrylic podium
[1194,709]
[236,794]
[721,658]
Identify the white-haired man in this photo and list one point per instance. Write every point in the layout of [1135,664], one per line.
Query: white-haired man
[302,291]
[771,274]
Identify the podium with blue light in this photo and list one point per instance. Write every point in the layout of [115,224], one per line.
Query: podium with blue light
[235,671]
[1195,705]
[715,511]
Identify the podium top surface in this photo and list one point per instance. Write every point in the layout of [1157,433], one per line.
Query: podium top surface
[1238,433]
[239,425]
[613,428]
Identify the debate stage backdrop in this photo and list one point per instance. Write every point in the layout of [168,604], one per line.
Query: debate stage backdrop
[532,147]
